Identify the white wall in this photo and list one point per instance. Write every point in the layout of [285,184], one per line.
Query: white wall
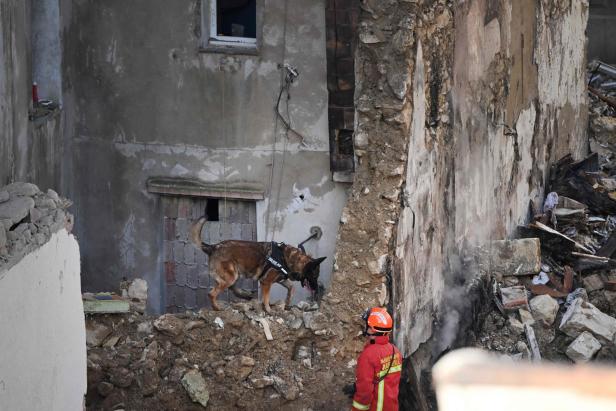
[42,337]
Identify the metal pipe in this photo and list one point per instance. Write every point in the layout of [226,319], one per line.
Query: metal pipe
[609,85]
[605,69]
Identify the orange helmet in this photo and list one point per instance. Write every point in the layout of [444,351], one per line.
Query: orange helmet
[379,319]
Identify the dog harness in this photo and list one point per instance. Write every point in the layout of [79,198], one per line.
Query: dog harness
[275,260]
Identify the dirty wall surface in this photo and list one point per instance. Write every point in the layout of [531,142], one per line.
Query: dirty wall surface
[144,101]
[30,149]
[43,341]
[477,122]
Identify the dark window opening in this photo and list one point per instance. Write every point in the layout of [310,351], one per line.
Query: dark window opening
[236,18]
[211,210]
[342,153]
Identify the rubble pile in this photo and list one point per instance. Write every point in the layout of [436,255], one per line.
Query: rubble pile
[28,217]
[239,358]
[554,288]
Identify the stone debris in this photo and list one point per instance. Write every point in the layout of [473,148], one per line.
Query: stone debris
[583,348]
[515,257]
[583,316]
[593,283]
[544,309]
[170,325]
[96,333]
[194,384]
[25,223]
[514,297]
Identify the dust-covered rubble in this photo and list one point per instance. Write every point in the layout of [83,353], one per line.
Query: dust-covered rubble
[28,218]
[219,358]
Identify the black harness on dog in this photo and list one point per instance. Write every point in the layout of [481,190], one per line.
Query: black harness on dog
[276,261]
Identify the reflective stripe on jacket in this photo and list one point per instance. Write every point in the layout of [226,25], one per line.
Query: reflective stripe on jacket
[372,364]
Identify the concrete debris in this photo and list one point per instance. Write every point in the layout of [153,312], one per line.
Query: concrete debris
[194,384]
[583,316]
[583,348]
[96,334]
[16,209]
[544,309]
[20,189]
[266,329]
[169,325]
[121,377]
[515,257]
[104,388]
[25,225]
[514,297]
[574,295]
[138,289]
[220,324]
[593,283]
[526,317]
[532,342]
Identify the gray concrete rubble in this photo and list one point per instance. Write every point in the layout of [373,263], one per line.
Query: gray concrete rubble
[544,309]
[194,384]
[583,348]
[514,298]
[28,218]
[583,316]
[515,257]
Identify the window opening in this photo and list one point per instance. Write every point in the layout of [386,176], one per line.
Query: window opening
[211,210]
[233,22]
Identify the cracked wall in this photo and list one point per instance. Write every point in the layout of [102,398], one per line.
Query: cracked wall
[144,100]
[461,107]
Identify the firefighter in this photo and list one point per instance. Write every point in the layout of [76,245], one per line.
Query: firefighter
[379,365]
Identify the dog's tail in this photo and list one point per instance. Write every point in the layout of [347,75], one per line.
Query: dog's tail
[195,236]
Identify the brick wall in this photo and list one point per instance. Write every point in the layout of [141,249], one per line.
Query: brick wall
[341,19]
[186,271]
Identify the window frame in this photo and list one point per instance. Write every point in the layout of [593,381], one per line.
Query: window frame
[212,42]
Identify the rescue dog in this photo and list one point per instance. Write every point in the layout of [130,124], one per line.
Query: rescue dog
[230,259]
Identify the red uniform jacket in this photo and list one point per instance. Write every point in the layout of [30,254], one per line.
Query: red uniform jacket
[373,363]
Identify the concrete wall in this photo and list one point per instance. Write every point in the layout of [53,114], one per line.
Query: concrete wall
[29,150]
[144,101]
[518,104]
[602,31]
[43,363]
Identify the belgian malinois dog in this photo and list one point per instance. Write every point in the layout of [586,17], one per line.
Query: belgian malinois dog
[230,259]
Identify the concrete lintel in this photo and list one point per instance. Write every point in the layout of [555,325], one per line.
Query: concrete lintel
[179,186]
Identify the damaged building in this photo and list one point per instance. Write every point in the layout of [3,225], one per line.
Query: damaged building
[397,138]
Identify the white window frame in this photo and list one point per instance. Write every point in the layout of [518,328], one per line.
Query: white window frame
[216,40]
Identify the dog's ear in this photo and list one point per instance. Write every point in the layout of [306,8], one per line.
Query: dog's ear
[318,261]
[313,264]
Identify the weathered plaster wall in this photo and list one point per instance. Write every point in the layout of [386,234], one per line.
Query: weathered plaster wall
[145,102]
[14,87]
[461,107]
[43,343]
[29,150]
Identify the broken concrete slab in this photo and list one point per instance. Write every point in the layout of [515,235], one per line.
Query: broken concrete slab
[20,189]
[194,384]
[514,297]
[515,257]
[583,316]
[170,325]
[96,334]
[16,209]
[583,348]
[593,282]
[138,289]
[105,306]
[544,309]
